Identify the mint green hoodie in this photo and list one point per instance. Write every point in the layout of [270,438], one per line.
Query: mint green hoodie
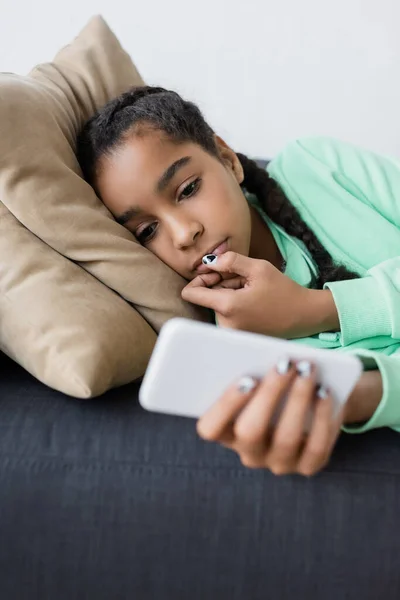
[350,198]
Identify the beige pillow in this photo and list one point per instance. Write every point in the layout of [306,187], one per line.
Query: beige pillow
[41,185]
[60,323]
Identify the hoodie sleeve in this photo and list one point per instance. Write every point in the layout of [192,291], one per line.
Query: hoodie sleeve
[387,413]
[368,306]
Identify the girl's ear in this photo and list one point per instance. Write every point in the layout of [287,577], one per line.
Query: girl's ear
[230,159]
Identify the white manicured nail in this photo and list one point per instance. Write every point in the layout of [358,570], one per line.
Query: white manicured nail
[246,384]
[304,368]
[209,259]
[283,365]
[322,392]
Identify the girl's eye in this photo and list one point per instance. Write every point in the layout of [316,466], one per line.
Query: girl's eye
[147,234]
[190,189]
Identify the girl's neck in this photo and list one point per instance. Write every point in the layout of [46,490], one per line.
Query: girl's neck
[262,243]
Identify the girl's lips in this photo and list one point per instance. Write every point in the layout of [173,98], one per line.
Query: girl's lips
[221,249]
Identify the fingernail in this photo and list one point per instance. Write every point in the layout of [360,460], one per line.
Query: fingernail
[209,258]
[283,365]
[322,392]
[246,384]
[304,368]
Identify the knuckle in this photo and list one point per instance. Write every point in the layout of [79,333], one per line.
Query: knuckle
[227,307]
[306,470]
[278,468]
[251,462]
[185,293]
[313,464]
[261,267]
[309,469]
[205,432]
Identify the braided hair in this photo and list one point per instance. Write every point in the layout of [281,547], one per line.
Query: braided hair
[154,108]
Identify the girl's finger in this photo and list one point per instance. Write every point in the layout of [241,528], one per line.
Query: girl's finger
[214,423]
[231,262]
[205,280]
[235,283]
[216,299]
[320,441]
[254,422]
[288,436]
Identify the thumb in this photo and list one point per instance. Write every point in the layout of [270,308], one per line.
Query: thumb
[232,262]
[215,299]
[205,280]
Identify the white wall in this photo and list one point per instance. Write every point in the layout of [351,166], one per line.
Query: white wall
[264,71]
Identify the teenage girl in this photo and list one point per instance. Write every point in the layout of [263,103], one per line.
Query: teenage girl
[307,249]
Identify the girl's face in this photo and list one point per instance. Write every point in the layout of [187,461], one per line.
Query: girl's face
[179,201]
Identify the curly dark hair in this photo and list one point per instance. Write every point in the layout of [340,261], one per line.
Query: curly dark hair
[156,108]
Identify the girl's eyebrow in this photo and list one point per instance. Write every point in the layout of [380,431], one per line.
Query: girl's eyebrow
[128,215]
[170,172]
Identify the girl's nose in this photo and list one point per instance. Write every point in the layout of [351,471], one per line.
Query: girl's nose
[186,233]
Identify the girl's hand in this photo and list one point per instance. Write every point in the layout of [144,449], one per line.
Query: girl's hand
[259,298]
[241,420]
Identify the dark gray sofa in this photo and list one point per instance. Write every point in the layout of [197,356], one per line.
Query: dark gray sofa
[100,500]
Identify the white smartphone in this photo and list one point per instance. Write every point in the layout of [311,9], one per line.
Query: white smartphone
[193,363]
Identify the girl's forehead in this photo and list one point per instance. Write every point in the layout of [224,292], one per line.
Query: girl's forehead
[150,154]
[138,164]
